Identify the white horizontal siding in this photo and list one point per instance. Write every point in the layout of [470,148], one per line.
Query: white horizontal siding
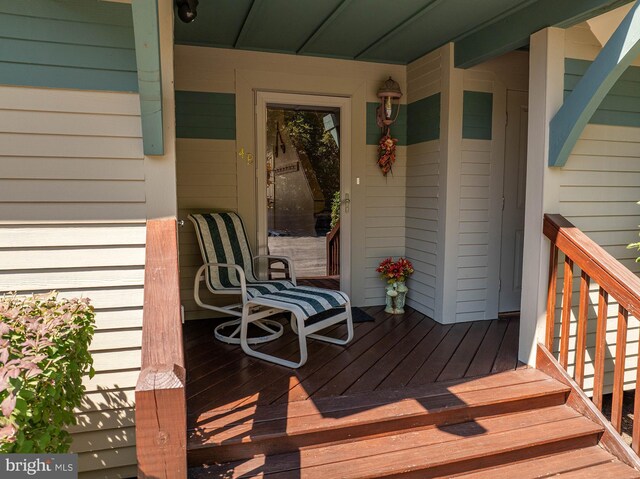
[207,182]
[424,78]
[384,220]
[72,218]
[598,191]
[473,237]
[423,190]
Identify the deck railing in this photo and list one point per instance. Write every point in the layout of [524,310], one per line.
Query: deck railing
[333,251]
[161,424]
[616,283]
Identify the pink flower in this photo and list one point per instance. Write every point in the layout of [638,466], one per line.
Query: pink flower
[8,405]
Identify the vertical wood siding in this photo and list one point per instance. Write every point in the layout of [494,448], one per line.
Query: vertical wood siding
[72,219]
[423,180]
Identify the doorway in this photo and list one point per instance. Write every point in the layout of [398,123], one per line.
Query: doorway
[303,194]
[513,211]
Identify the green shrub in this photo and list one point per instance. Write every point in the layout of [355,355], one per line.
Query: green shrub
[44,354]
[335,209]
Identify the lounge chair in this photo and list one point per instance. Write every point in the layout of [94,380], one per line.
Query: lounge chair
[229,268]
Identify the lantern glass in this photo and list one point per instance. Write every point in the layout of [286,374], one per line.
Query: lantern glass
[389,94]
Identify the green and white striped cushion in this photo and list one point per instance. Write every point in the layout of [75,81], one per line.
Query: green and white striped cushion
[222,239]
[304,301]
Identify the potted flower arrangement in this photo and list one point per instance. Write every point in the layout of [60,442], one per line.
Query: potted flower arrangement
[395,274]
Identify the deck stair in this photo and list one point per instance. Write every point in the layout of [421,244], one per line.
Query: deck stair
[512,424]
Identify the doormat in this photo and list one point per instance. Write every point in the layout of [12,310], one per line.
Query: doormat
[357,314]
[360,315]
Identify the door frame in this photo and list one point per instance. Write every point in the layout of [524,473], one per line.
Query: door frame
[265,98]
[502,309]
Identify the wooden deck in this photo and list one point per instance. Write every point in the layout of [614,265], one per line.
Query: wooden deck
[390,353]
[328,282]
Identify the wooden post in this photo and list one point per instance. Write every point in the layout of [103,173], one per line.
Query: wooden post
[618,375]
[551,296]
[601,344]
[161,412]
[581,339]
[161,426]
[567,301]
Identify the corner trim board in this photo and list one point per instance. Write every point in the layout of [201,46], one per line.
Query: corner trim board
[147,42]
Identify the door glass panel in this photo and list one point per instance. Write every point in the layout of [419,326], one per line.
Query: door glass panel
[303,183]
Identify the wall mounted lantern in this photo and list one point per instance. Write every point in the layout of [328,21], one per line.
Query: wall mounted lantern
[389,94]
[187,10]
[387,113]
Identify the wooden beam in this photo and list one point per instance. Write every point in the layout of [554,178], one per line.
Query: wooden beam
[147,41]
[620,51]
[513,31]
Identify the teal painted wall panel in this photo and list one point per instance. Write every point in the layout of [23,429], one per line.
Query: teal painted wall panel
[621,106]
[423,122]
[398,129]
[477,116]
[205,115]
[72,44]
[147,45]
[65,77]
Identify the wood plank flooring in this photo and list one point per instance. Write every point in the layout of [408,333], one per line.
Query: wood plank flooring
[328,282]
[389,353]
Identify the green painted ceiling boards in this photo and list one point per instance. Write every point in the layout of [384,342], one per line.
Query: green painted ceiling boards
[381,30]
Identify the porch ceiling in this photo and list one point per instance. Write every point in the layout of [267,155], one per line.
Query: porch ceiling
[381,30]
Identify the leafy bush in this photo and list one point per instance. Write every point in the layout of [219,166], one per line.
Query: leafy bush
[335,209]
[44,354]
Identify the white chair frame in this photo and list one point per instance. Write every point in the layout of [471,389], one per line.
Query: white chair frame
[256,310]
[298,326]
[273,329]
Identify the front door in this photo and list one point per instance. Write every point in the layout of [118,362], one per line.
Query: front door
[513,202]
[303,184]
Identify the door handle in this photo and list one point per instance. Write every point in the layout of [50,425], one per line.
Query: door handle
[346,201]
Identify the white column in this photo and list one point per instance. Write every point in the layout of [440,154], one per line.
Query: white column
[546,87]
[449,200]
[160,171]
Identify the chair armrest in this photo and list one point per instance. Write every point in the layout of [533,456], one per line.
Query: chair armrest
[239,270]
[229,266]
[285,259]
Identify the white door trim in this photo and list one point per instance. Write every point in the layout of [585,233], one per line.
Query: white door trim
[264,98]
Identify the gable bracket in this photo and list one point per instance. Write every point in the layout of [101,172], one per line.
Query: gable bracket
[620,51]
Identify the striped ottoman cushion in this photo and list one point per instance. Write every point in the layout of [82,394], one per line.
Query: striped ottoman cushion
[304,301]
[265,287]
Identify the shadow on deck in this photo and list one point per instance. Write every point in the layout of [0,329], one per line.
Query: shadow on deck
[228,393]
